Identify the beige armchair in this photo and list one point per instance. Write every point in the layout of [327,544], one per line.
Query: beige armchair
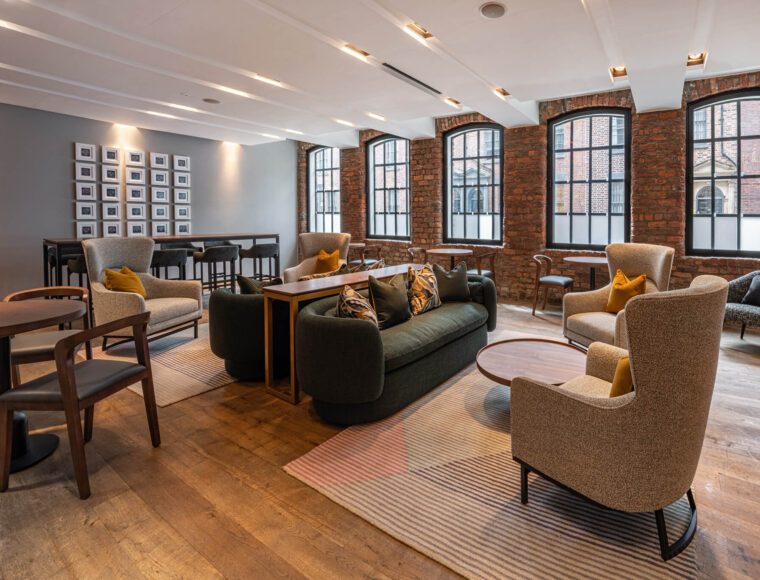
[174,305]
[584,319]
[637,452]
[308,250]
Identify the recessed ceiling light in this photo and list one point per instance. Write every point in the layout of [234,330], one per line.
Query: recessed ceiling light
[183,107]
[618,71]
[417,32]
[157,114]
[346,123]
[376,116]
[452,102]
[232,91]
[356,52]
[696,59]
[501,93]
[211,101]
[267,80]
[293,131]
[269,136]
[493,10]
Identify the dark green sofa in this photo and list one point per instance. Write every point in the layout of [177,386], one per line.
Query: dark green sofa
[356,373]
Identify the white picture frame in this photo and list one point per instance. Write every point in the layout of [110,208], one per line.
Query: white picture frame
[111,229]
[111,211]
[110,191]
[159,195]
[182,196]
[87,230]
[181,163]
[160,212]
[86,211]
[159,177]
[135,175]
[85,172]
[159,160]
[183,228]
[182,212]
[84,152]
[86,191]
[136,229]
[135,211]
[134,158]
[110,173]
[181,179]
[161,229]
[136,193]
[110,155]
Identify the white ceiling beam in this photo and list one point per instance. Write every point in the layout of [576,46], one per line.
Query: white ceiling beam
[340,139]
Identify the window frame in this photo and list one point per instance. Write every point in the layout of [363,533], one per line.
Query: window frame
[311,166]
[579,113]
[724,97]
[447,137]
[369,191]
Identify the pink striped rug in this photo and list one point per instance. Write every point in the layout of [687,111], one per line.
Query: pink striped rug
[439,476]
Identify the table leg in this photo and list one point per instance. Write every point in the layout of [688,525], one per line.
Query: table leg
[592,278]
[268,343]
[58,266]
[295,394]
[45,270]
[451,263]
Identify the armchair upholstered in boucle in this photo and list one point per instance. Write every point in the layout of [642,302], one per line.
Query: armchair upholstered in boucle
[584,318]
[744,314]
[308,250]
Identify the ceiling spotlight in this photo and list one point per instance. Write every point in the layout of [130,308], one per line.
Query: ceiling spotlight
[452,102]
[417,32]
[376,116]
[269,135]
[183,107]
[356,52]
[618,72]
[696,59]
[157,114]
[267,80]
[346,123]
[493,10]
[501,93]
[211,101]
[293,131]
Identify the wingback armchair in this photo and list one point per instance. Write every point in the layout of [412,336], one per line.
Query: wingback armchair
[744,314]
[174,305]
[636,452]
[308,250]
[584,319]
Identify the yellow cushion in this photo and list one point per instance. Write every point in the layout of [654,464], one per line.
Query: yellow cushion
[327,262]
[623,290]
[622,383]
[125,281]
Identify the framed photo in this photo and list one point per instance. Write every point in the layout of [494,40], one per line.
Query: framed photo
[160,212]
[110,155]
[136,193]
[160,229]
[110,173]
[135,158]
[86,211]
[181,163]
[159,194]
[159,177]
[135,211]
[86,192]
[182,228]
[112,230]
[136,229]
[159,161]
[111,211]
[84,152]
[85,172]
[110,192]
[181,196]
[181,180]
[182,212]
[135,175]
[87,229]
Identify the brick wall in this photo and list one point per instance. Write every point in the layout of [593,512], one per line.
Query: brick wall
[658,196]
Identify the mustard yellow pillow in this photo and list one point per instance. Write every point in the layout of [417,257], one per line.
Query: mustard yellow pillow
[125,281]
[327,262]
[623,290]
[622,383]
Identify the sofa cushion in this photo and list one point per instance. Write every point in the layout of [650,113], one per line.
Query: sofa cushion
[163,309]
[389,301]
[745,313]
[405,343]
[597,326]
[452,286]
[752,297]
[589,386]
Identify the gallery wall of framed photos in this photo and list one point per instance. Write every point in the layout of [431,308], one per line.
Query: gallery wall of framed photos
[130,192]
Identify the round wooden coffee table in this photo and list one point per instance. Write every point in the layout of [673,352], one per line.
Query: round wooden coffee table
[545,360]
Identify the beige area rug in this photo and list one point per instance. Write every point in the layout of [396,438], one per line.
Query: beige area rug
[439,476]
[183,367]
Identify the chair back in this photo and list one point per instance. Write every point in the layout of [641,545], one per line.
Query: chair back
[416,250]
[103,253]
[543,265]
[635,259]
[167,258]
[674,343]
[221,253]
[310,244]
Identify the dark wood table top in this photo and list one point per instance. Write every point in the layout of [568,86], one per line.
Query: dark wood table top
[548,361]
[450,252]
[294,289]
[166,239]
[586,260]
[28,315]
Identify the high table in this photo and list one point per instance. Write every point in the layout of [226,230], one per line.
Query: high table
[453,253]
[74,246]
[294,293]
[592,262]
[16,318]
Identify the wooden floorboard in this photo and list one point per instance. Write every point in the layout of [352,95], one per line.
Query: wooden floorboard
[214,502]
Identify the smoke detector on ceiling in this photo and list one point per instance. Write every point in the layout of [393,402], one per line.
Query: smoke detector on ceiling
[493,10]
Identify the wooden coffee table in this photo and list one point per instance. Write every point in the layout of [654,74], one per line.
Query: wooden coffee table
[545,360]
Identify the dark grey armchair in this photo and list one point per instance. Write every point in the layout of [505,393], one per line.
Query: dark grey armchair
[744,314]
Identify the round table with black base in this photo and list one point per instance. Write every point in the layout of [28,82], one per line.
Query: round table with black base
[454,254]
[592,262]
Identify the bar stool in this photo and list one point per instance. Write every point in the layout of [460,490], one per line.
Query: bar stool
[51,264]
[222,254]
[167,259]
[189,248]
[259,252]
[78,266]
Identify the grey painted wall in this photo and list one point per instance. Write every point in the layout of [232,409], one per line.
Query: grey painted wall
[234,188]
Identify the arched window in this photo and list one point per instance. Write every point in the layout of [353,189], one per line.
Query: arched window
[388,199]
[723,175]
[472,208]
[589,183]
[324,189]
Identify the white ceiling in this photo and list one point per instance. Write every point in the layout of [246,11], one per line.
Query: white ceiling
[121,61]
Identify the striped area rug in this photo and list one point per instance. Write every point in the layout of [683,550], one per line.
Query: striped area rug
[439,476]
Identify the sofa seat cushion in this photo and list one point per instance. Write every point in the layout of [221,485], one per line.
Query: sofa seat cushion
[163,309]
[596,326]
[588,386]
[422,334]
[745,313]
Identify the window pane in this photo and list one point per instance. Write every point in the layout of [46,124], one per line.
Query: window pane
[562,136]
[600,131]
[618,164]
[702,159]
[599,197]
[725,119]
[703,123]
[618,131]
[401,151]
[581,132]
[726,158]
[580,197]
[471,144]
[600,164]
[750,110]
[457,147]
[561,198]
[751,196]
[702,202]
[751,157]
[562,167]
[580,165]
[379,157]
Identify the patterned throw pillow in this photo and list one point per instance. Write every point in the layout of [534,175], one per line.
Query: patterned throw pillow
[363,267]
[351,304]
[342,270]
[423,290]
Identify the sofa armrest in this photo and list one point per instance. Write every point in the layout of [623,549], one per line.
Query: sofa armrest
[109,305]
[738,288]
[305,268]
[159,288]
[603,359]
[483,291]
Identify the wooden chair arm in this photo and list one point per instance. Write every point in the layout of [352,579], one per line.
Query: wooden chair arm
[49,292]
[65,348]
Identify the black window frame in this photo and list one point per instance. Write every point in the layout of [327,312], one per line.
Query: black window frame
[726,97]
[369,190]
[447,138]
[571,116]
[311,166]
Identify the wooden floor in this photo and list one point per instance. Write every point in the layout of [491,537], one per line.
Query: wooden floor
[213,501]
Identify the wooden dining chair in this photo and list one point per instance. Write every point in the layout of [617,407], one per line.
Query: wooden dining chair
[417,251]
[485,265]
[79,386]
[35,347]
[546,280]
[368,255]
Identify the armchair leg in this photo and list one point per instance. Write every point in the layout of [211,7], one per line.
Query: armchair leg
[89,418]
[104,345]
[6,436]
[524,471]
[149,396]
[195,329]
[15,376]
[667,550]
[741,334]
